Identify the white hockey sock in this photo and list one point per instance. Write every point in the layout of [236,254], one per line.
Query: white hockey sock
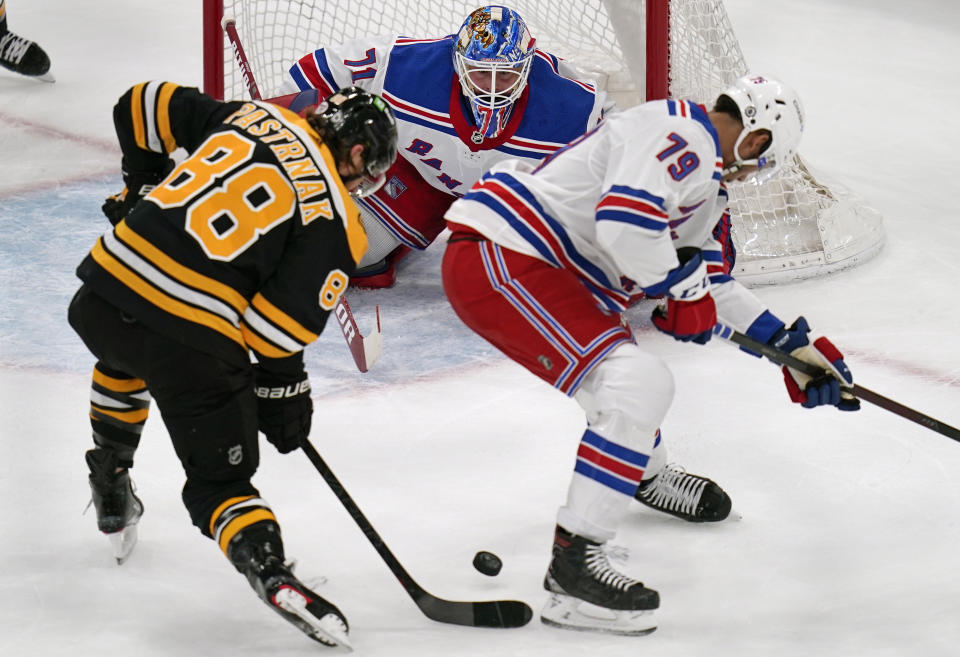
[625,399]
[658,459]
[606,476]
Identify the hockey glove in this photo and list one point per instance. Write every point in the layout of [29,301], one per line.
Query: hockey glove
[137,185]
[808,391]
[284,407]
[690,313]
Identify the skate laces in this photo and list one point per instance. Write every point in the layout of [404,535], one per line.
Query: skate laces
[675,489]
[13,47]
[598,565]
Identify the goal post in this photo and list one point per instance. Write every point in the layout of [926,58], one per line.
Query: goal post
[213,49]
[796,226]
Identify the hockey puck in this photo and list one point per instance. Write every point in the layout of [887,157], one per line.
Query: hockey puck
[487,563]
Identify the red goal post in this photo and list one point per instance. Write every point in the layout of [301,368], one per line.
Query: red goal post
[793,227]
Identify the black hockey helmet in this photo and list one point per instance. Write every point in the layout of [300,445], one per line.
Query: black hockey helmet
[353,116]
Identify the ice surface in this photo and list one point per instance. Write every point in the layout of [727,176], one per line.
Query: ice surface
[847,537]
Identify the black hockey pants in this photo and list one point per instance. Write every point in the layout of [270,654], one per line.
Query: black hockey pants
[208,405]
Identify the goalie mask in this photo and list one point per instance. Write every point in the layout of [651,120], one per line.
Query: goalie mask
[492,57]
[766,104]
[353,116]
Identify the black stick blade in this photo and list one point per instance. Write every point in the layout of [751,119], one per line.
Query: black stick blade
[489,613]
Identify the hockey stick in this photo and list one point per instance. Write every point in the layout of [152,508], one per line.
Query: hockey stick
[867,395]
[229,25]
[365,349]
[488,613]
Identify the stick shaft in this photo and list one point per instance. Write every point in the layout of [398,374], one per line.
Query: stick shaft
[365,350]
[230,27]
[780,358]
[484,613]
[414,589]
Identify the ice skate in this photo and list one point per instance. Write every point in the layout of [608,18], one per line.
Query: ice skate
[274,582]
[684,495]
[118,508]
[587,594]
[24,57]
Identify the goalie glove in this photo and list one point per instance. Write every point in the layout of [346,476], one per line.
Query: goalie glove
[810,392]
[690,313]
[137,185]
[284,407]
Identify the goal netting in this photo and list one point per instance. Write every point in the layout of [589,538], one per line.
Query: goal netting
[793,227]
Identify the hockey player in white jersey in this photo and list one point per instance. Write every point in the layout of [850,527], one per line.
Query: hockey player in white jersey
[463,102]
[542,259]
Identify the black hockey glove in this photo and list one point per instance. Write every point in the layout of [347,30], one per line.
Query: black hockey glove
[137,185]
[284,407]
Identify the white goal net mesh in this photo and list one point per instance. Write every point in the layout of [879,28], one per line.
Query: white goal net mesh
[789,228]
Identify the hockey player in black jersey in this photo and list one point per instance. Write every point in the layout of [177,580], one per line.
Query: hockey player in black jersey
[241,249]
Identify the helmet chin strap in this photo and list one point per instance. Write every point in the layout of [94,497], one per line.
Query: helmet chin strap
[738,163]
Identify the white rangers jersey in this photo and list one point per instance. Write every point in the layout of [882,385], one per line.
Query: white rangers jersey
[616,204]
[436,135]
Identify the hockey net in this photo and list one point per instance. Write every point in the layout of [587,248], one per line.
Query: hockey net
[793,227]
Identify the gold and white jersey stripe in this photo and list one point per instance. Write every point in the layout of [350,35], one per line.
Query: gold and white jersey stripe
[157,281]
[151,117]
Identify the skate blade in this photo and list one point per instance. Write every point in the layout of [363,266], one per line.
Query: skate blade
[46,77]
[123,543]
[569,613]
[328,629]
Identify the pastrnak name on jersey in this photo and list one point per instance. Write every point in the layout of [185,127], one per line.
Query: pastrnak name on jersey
[246,244]
[293,155]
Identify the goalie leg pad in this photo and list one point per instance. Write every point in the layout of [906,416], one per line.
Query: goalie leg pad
[380,274]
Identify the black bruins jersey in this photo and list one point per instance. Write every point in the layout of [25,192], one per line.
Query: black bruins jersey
[246,245]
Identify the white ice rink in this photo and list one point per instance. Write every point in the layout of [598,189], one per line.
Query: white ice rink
[848,530]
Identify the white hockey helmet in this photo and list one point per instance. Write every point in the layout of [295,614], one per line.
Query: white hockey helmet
[767,104]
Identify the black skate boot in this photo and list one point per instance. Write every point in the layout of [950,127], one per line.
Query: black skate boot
[586,593]
[684,495]
[24,56]
[118,508]
[257,552]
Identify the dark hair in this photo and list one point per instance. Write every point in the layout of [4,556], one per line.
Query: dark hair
[726,105]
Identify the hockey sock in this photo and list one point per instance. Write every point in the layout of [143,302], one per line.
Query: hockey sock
[119,405]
